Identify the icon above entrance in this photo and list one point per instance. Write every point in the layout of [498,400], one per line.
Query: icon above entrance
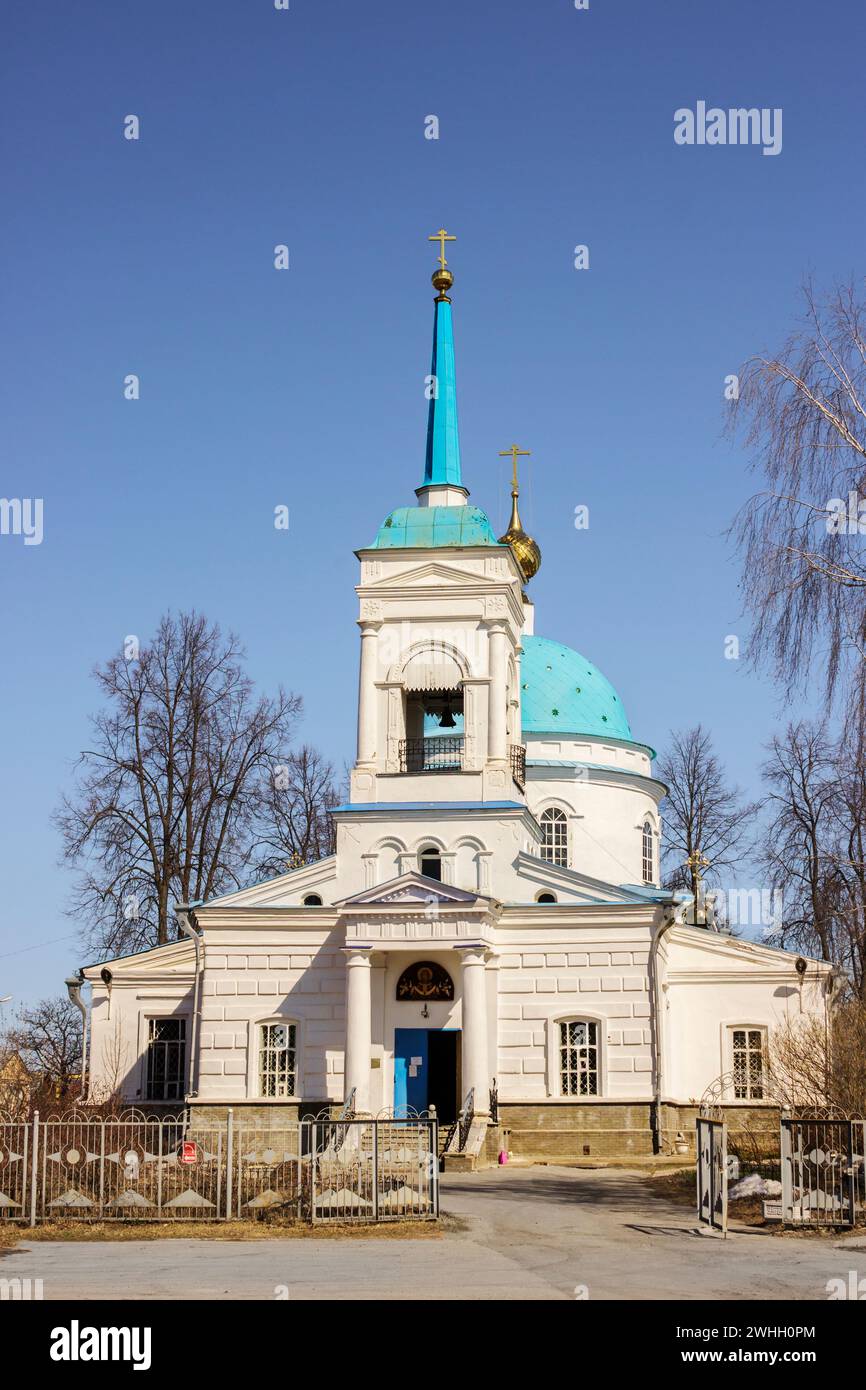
[425,980]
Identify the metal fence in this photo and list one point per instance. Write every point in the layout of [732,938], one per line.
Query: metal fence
[816,1162]
[712,1173]
[823,1180]
[132,1166]
[371,1170]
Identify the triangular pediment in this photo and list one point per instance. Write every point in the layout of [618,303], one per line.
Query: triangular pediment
[413,887]
[435,574]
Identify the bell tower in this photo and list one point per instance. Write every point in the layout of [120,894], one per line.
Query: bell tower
[442,609]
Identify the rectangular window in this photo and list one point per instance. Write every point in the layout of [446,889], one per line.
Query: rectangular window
[166,1059]
[277,1060]
[578,1058]
[748,1059]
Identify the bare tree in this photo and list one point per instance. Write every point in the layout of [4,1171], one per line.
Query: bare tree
[296,827]
[814,846]
[167,797]
[803,413]
[48,1038]
[800,781]
[701,812]
[814,1061]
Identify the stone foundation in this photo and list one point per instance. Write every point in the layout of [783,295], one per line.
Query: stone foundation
[612,1130]
[250,1113]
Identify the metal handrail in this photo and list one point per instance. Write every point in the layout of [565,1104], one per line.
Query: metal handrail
[431,754]
[518,764]
[467,1114]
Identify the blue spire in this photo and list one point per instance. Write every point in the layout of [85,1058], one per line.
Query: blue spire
[443,439]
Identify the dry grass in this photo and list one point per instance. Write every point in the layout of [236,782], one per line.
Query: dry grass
[274,1229]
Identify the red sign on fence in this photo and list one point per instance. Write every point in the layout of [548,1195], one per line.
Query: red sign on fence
[188,1151]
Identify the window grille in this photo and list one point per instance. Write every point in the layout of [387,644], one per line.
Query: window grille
[578,1057]
[278,1059]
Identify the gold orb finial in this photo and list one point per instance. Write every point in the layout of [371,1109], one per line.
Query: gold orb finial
[442,281]
[526,551]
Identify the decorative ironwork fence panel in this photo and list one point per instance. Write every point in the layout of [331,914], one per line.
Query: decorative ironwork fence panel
[712,1173]
[266,1171]
[15,1169]
[371,1170]
[822,1171]
[86,1167]
[130,1166]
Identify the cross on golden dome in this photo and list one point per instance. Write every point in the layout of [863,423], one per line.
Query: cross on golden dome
[514,453]
[524,548]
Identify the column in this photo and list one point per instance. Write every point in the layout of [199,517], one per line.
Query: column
[497,733]
[367,694]
[476,1069]
[359,1026]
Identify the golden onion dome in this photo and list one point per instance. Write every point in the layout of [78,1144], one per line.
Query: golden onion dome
[526,551]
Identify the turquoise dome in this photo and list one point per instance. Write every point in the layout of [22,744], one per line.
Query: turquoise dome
[561,692]
[428,527]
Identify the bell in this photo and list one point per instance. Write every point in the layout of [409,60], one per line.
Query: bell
[447,720]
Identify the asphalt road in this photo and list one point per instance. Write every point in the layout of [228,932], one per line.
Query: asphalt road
[519,1233]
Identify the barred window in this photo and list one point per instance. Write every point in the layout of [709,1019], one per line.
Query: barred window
[578,1057]
[748,1058]
[278,1059]
[554,836]
[166,1059]
[648,852]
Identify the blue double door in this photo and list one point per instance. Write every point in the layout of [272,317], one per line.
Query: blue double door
[426,1071]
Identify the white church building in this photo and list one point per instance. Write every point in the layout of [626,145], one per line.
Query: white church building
[491,932]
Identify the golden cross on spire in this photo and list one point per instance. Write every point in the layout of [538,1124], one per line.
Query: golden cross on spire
[514,454]
[441,236]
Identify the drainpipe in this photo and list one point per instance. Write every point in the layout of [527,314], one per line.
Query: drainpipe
[675,915]
[184,912]
[73,989]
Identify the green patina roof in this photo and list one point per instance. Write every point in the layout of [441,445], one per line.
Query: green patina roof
[562,692]
[427,527]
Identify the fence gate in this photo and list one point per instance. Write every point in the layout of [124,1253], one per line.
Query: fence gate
[822,1171]
[712,1173]
[370,1170]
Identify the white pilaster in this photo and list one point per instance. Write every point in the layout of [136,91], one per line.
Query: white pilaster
[497,730]
[367,694]
[359,1026]
[475,1061]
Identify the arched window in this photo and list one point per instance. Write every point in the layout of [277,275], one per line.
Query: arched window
[546,898]
[312,900]
[554,836]
[278,1059]
[430,861]
[578,1057]
[647,852]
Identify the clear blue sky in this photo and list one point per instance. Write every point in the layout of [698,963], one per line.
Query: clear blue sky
[305,387]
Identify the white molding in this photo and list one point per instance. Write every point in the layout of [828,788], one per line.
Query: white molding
[253,1025]
[552,1050]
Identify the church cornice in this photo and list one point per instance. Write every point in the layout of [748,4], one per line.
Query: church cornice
[603,773]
